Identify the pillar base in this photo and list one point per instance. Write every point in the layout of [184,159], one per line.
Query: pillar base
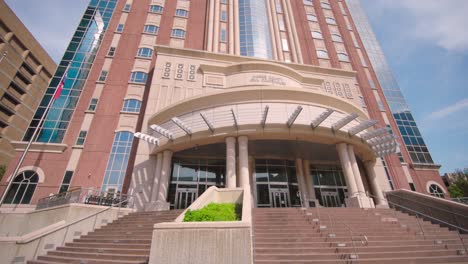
[360,201]
[383,205]
[157,206]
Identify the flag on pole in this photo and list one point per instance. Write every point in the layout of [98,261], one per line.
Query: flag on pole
[59,89]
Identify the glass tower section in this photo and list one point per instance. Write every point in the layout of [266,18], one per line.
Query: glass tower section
[118,161]
[80,55]
[406,124]
[255,38]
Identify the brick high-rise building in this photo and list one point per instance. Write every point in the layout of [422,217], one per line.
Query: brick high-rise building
[290,98]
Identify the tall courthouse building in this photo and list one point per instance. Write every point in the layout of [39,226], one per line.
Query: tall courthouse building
[166,98]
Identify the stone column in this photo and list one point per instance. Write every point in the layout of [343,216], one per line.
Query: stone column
[301,182]
[374,184]
[357,174]
[165,171]
[347,169]
[243,161]
[308,180]
[157,177]
[231,162]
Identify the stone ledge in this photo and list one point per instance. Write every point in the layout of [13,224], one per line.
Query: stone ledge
[40,147]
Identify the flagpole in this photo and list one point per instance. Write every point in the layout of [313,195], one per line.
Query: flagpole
[36,130]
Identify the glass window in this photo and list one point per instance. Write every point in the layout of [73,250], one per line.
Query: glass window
[138,77]
[127,7]
[120,28]
[111,52]
[223,37]
[223,16]
[284,43]
[254,29]
[145,52]
[279,9]
[103,76]
[436,191]
[317,35]
[281,24]
[224,1]
[343,57]
[22,188]
[178,33]
[336,37]
[312,18]
[66,181]
[325,5]
[307,2]
[156,9]
[330,20]
[181,12]
[118,161]
[81,138]
[322,54]
[151,29]
[131,105]
[93,104]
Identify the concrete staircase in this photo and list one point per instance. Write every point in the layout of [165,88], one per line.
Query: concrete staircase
[126,240]
[351,235]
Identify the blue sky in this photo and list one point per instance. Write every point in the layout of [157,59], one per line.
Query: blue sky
[426,47]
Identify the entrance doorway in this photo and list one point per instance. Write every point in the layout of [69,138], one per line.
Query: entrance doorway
[279,197]
[276,183]
[331,199]
[185,197]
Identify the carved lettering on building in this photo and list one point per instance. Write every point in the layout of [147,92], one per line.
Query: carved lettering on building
[167,70]
[179,71]
[338,89]
[191,73]
[263,78]
[347,91]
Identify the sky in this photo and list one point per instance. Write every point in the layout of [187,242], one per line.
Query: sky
[426,47]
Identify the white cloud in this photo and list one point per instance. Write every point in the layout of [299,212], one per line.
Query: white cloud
[448,110]
[442,22]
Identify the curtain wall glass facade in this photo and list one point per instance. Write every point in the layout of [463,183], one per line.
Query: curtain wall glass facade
[406,124]
[80,55]
[255,38]
[118,161]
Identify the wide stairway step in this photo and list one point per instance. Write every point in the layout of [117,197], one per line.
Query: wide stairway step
[350,235]
[126,240]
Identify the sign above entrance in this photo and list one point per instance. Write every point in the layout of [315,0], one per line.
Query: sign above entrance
[268,79]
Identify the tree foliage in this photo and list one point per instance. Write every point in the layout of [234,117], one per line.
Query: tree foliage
[459,188]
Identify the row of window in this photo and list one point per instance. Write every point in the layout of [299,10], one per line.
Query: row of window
[335,37]
[135,77]
[130,105]
[323,54]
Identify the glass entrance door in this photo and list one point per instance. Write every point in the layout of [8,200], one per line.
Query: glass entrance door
[279,197]
[276,183]
[185,197]
[331,199]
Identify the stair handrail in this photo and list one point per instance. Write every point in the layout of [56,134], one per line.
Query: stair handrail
[67,226]
[458,228]
[425,204]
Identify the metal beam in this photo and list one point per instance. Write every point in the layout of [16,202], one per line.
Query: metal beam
[375,133]
[344,121]
[182,125]
[147,138]
[294,115]
[361,127]
[322,117]
[234,117]
[208,123]
[163,131]
[264,116]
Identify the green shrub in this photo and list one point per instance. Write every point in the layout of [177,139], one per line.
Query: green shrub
[215,212]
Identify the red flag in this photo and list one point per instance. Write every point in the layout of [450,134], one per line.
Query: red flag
[59,89]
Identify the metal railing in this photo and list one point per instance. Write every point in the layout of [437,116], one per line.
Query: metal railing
[463,200]
[85,196]
[93,217]
[422,216]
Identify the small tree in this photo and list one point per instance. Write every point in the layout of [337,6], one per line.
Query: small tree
[459,188]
